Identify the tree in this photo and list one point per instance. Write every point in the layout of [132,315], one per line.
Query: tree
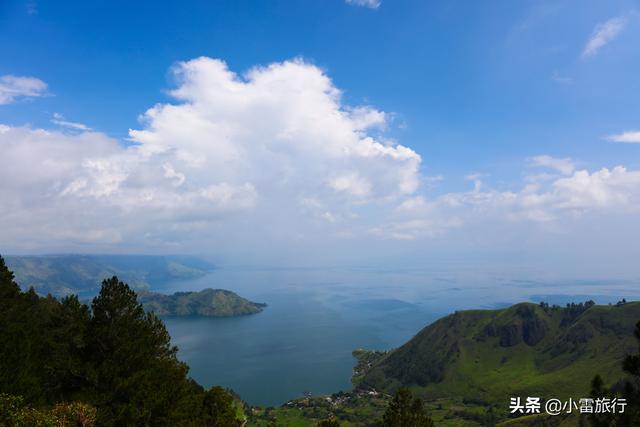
[9,289]
[598,390]
[23,339]
[67,365]
[219,409]
[630,392]
[135,373]
[332,422]
[406,411]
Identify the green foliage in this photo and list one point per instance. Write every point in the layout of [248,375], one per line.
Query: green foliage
[23,339]
[573,311]
[598,390]
[114,356]
[135,374]
[329,423]
[208,302]
[76,414]
[8,287]
[14,413]
[218,408]
[365,360]
[486,356]
[630,391]
[10,406]
[406,411]
[631,366]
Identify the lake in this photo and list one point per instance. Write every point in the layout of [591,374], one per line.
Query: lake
[302,341]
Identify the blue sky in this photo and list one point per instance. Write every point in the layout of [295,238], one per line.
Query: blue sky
[489,95]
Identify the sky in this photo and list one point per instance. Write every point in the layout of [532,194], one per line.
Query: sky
[352,132]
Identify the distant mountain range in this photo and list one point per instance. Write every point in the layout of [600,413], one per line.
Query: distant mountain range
[61,275]
[487,356]
[208,302]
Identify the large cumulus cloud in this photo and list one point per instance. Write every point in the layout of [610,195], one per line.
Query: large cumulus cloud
[274,149]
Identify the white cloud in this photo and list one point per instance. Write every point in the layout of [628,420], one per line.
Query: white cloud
[616,188]
[247,152]
[565,166]
[351,183]
[630,136]
[580,193]
[367,117]
[371,4]
[59,120]
[417,206]
[603,34]
[12,87]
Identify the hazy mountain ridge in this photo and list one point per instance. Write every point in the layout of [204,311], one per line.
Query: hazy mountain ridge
[208,302]
[62,275]
[523,350]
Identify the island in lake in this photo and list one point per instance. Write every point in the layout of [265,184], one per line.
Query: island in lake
[208,302]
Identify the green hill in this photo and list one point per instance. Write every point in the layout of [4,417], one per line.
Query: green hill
[208,302]
[488,356]
[469,364]
[61,275]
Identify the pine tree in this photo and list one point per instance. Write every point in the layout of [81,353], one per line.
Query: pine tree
[22,340]
[67,363]
[135,372]
[630,392]
[598,390]
[406,411]
[631,366]
[9,289]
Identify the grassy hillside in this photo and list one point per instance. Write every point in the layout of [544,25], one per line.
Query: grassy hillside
[62,275]
[487,356]
[208,302]
[467,365]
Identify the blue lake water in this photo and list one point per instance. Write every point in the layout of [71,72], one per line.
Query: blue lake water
[302,341]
